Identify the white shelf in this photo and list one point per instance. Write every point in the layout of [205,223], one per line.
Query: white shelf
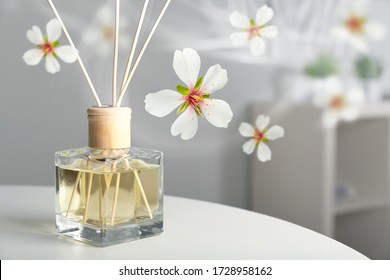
[298,184]
[380,110]
[360,204]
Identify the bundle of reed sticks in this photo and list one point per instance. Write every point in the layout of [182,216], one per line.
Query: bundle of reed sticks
[132,64]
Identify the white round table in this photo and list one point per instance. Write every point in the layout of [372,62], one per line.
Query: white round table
[193,230]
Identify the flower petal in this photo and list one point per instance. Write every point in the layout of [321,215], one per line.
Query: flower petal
[355,97]
[52,65]
[215,79]
[264,15]
[261,122]
[186,64]
[186,125]
[66,53]
[246,130]
[239,20]
[340,32]
[269,32]
[274,133]
[106,15]
[257,46]
[375,30]
[330,118]
[35,36]
[359,7]
[240,38]
[344,34]
[33,56]
[263,152]
[350,113]
[162,103]
[334,84]
[217,112]
[359,43]
[249,146]
[53,29]
[92,36]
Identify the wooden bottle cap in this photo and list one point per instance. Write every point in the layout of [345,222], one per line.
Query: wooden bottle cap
[109,127]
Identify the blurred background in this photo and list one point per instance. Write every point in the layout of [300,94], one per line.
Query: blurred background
[334,180]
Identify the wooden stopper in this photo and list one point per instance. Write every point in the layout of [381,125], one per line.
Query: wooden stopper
[109,127]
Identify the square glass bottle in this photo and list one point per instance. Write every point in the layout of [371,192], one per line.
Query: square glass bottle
[110,192]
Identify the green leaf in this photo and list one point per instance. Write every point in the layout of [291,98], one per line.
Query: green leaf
[182,90]
[55,44]
[323,66]
[183,107]
[252,23]
[199,83]
[206,96]
[368,67]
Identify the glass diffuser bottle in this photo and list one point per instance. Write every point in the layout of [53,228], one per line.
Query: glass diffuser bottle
[110,192]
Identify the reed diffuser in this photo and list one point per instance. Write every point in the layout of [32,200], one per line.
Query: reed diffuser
[110,192]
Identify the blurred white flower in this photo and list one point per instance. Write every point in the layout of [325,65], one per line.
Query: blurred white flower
[48,47]
[356,27]
[101,33]
[253,31]
[194,99]
[259,137]
[340,105]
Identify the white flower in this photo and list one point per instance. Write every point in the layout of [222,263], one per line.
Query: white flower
[48,47]
[194,99]
[259,137]
[340,105]
[253,31]
[355,27]
[101,33]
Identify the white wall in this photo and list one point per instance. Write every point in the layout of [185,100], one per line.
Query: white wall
[42,113]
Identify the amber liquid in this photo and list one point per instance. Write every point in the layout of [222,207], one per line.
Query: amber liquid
[108,198]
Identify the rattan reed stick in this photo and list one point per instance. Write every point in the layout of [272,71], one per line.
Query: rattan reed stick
[143,193]
[73,191]
[108,179]
[90,179]
[139,183]
[101,204]
[118,178]
[134,44]
[116,43]
[78,56]
[141,53]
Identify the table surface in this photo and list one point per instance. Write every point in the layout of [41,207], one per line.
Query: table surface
[193,230]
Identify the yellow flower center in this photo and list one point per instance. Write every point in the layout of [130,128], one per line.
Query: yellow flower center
[259,136]
[108,32]
[254,31]
[337,103]
[355,24]
[195,98]
[47,48]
